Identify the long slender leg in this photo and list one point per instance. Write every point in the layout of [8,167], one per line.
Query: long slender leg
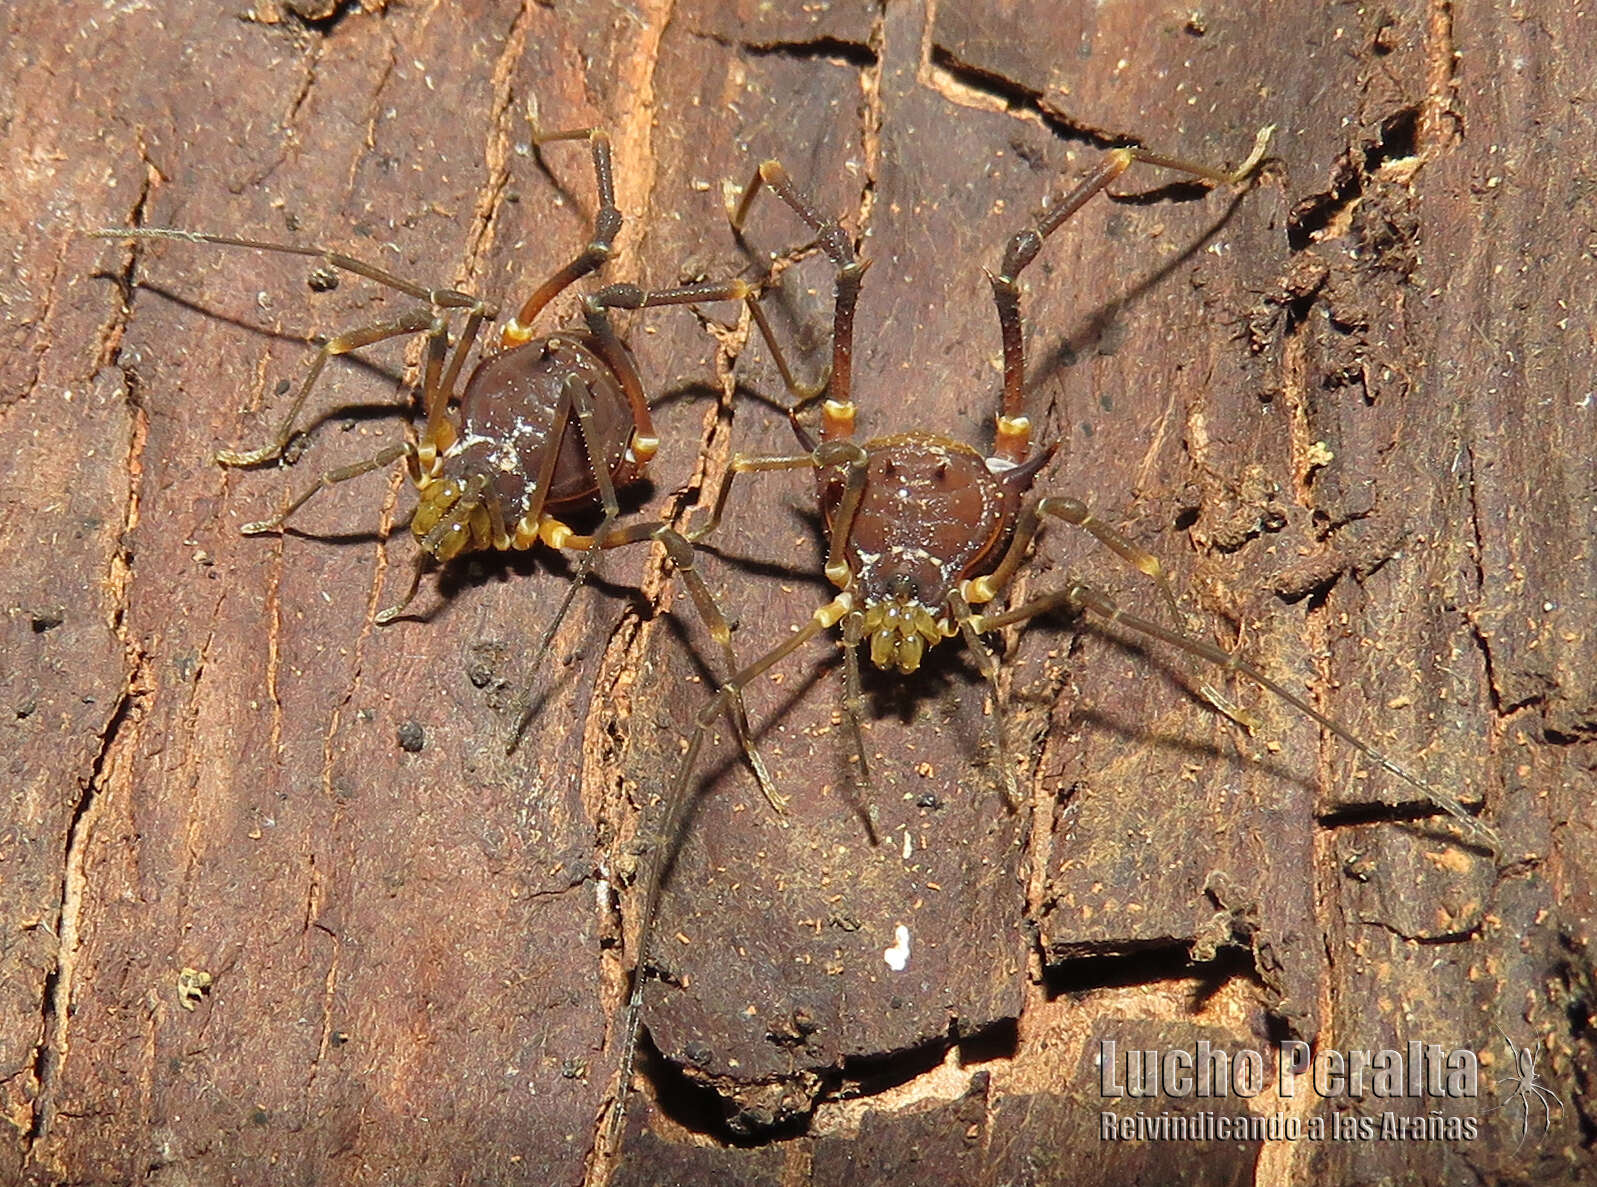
[597,252]
[838,412]
[330,478]
[443,298]
[670,835]
[436,299]
[804,394]
[412,323]
[853,459]
[1075,513]
[418,570]
[441,370]
[709,610]
[606,225]
[682,554]
[1014,429]
[746,464]
[853,633]
[645,442]
[643,446]
[568,402]
[989,668]
[1081,598]
[438,434]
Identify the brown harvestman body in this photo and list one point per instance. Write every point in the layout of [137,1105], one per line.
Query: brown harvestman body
[923,530]
[543,426]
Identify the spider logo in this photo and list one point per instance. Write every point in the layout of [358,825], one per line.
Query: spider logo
[1527,1088]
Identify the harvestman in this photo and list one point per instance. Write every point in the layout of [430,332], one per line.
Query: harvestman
[922,529]
[544,425]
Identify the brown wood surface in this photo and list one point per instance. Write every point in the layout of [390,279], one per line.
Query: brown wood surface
[1350,408]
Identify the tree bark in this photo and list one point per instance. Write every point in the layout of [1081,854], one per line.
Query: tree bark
[279,908]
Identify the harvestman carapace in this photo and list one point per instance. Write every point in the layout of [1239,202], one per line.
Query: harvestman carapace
[544,426]
[922,529]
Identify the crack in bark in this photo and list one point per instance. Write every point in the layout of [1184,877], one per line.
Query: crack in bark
[872,115]
[373,114]
[308,78]
[1477,633]
[44,317]
[823,48]
[969,85]
[1401,137]
[195,818]
[329,988]
[838,50]
[55,1015]
[57,988]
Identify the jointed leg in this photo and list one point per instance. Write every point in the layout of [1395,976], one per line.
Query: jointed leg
[1075,513]
[331,478]
[411,323]
[709,610]
[436,299]
[853,634]
[1014,429]
[1080,598]
[989,669]
[681,554]
[418,569]
[439,391]
[344,474]
[839,410]
[673,817]
[576,399]
[444,298]
[606,225]
[852,458]
[804,394]
[746,464]
[629,296]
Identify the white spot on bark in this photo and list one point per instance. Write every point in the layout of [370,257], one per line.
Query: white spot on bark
[897,957]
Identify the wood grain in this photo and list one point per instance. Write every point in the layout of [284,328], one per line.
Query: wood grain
[1350,408]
